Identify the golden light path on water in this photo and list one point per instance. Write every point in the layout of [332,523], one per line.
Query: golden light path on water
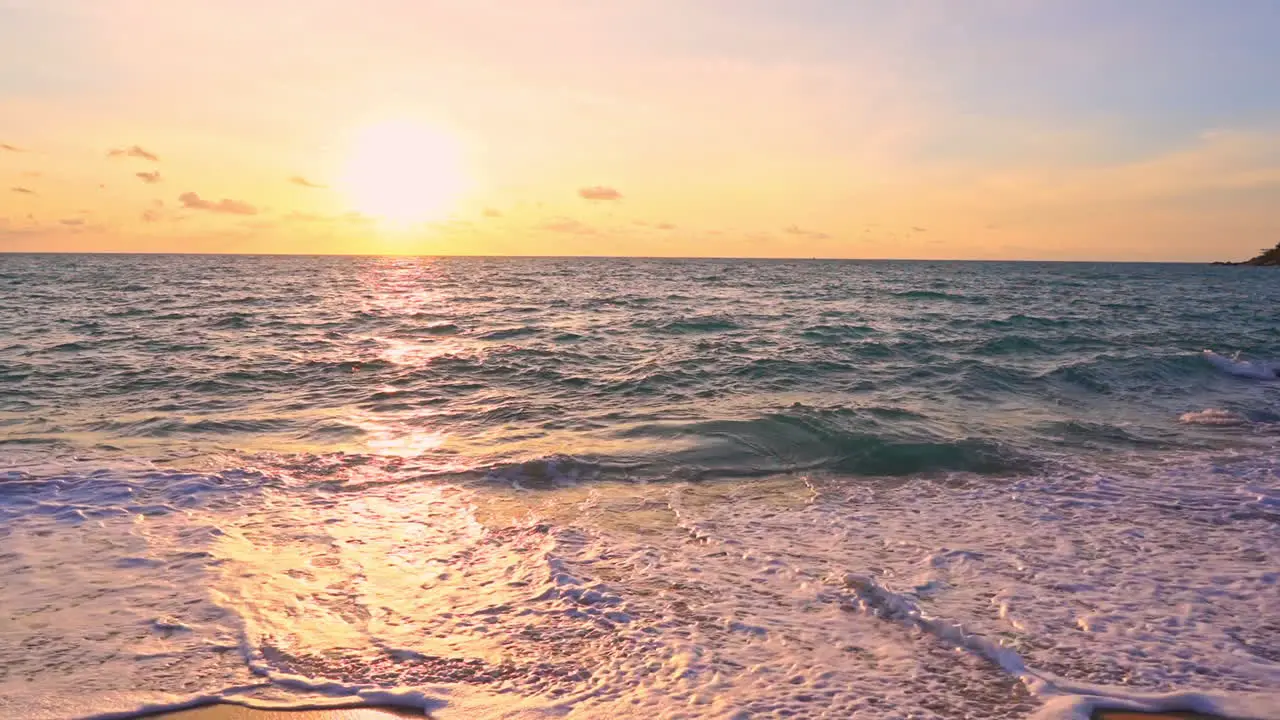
[404,288]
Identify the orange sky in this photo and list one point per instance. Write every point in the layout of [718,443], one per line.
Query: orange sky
[997,129]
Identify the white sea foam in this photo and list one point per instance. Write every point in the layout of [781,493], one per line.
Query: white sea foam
[1150,588]
[1214,416]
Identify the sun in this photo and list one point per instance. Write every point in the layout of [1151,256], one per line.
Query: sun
[403,172]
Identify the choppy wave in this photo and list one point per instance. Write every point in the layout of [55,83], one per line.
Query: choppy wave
[556,343]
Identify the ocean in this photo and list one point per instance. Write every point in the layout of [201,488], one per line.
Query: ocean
[637,488]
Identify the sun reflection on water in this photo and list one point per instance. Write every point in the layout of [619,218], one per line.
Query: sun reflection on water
[364,573]
[399,287]
[399,439]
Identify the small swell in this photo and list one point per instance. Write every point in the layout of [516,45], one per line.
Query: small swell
[441,328]
[235,321]
[1009,345]
[510,333]
[549,472]
[937,295]
[166,427]
[1025,321]
[879,442]
[703,324]
[837,333]
[1095,434]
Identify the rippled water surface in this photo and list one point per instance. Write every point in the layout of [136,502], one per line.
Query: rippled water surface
[641,488]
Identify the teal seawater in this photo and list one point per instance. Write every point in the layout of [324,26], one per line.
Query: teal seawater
[640,367]
[636,488]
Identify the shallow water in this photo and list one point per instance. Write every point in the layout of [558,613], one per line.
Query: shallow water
[636,487]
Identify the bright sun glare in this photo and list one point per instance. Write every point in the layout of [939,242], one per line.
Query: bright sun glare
[403,172]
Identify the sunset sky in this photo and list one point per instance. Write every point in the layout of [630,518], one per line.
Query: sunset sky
[1023,129]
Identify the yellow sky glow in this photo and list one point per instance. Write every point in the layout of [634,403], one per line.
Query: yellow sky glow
[490,128]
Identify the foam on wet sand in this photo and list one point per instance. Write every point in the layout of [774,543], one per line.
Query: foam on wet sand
[1051,597]
[223,711]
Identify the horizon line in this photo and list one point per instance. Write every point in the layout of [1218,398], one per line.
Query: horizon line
[606,257]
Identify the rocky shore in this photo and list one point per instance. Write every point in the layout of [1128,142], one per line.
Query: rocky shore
[1268,257]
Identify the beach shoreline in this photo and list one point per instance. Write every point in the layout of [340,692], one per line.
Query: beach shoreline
[228,711]
[225,711]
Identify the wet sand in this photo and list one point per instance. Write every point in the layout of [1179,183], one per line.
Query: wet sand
[235,712]
[1125,715]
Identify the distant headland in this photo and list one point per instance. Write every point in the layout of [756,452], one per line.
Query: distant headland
[1268,257]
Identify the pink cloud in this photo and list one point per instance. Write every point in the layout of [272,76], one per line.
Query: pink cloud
[134,151]
[303,182]
[568,225]
[149,178]
[796,230]
[599,192]
[193,201]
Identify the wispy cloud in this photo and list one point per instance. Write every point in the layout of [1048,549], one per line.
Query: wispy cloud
[134,151]
[492,213]
[303,182]
[452,224]
[797,230]
[918,229]
[23,190]
[599,192]
[151,216]
[567,225]
[149,178]
[11,148]
[353,218]
[665,226]
[357,218]
[72,221]
[193,201]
